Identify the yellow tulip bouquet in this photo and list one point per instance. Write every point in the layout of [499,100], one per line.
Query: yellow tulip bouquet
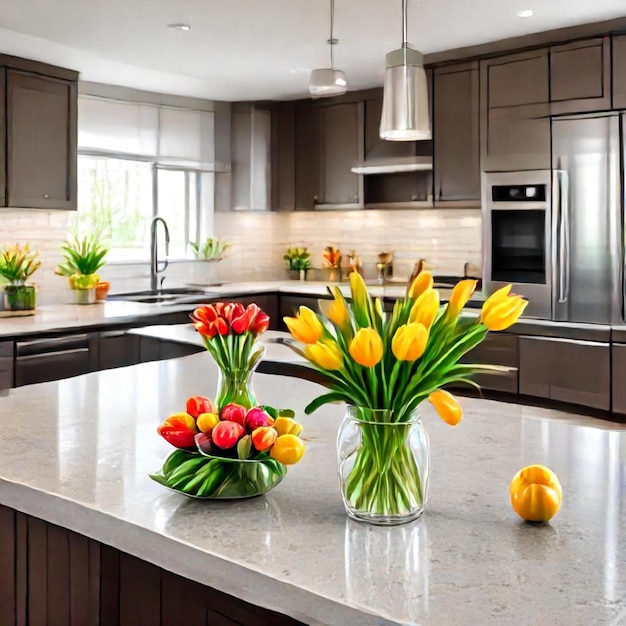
[385,364]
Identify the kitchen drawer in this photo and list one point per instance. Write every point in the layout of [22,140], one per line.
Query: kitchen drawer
[40,368]
[565,370]
[497,349]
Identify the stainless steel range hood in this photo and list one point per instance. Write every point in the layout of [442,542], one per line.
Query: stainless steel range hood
[389,157]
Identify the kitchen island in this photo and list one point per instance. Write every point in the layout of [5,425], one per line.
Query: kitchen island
[76,454]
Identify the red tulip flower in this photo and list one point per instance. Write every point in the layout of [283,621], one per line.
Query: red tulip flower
[234,413]
[255,418]
[226,434]
[179,429]
[259,320]
[263,438]
[199,404]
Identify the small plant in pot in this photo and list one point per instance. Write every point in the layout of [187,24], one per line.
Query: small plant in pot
[17,265]
[83,257]
[209,252]
[298,261]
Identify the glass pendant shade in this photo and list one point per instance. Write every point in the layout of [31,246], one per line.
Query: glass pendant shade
[405,115]
[327,82]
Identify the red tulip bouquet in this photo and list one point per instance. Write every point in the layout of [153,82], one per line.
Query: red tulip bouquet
[232,452]
[230,331]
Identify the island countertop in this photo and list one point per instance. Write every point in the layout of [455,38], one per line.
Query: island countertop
[77,453]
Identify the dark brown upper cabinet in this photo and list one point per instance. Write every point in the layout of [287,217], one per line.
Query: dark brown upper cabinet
[328,144]
[619,72]
[308,157]
[517,79]
[342,147]
[456,135]
[41,141]
[580,76]
[515,109]
[283,157]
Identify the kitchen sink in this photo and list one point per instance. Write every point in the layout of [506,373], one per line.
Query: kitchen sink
[164,296]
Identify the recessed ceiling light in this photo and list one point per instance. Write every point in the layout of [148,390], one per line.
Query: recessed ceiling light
[525,13]
[184,27]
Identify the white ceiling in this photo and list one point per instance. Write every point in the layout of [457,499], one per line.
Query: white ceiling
[256,49]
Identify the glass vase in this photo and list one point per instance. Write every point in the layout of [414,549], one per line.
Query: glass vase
[214,477]
[235,386]
[383,466]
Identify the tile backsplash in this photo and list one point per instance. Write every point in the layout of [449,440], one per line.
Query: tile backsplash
[446,238]
[45,231]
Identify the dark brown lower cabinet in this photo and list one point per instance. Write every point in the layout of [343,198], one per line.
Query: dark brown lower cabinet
[566,370]
[497,349]
[43,360]
[117,349]
[52,576]
[618,373]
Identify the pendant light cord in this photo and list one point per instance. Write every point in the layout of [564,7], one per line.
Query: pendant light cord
[405,43]
[332,30]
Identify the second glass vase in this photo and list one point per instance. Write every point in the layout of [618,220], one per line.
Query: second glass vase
[383,466]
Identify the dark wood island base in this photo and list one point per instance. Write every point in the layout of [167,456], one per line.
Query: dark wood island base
[51,576]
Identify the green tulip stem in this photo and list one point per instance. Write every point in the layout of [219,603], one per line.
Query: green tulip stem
[385,479]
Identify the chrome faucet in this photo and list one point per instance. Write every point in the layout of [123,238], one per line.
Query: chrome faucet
[154,251]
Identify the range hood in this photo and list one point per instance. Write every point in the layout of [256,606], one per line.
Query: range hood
[389,157]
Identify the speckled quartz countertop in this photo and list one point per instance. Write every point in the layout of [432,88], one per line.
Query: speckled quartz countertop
[77,454]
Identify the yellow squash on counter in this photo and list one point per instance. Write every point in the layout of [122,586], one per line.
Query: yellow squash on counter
[536,493]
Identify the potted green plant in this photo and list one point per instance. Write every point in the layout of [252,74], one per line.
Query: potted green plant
[208,253]
[83,257]
[17,265]
[298,260]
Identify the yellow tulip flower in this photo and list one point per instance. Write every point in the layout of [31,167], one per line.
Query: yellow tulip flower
[287,426]
[461,293]
[325,354]
[366,348]
[409,342]
[447,406]
[305,327]
[359,291]
[497,297]
[421,283]
[336,310]
[502,310]
[287,449]
[536,493]
[425,308]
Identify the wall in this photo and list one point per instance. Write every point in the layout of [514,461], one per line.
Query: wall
[446,238]
[45,231]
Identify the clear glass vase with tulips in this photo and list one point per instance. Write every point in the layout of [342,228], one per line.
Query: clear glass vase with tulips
[229,331]
[384,365]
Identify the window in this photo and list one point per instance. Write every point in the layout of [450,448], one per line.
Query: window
[137,161]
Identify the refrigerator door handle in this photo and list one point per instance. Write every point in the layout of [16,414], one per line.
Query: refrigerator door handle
[560,189]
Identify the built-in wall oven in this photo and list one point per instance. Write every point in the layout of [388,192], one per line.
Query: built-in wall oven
[517,236]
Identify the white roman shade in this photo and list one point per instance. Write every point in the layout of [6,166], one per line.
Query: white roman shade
[169,136]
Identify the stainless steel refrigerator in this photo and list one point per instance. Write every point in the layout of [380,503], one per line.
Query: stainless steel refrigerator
[587,223]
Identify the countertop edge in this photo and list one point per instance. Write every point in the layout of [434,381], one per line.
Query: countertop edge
[184,559]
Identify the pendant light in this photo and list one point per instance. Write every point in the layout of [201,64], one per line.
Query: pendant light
[405,114]
[328,81]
